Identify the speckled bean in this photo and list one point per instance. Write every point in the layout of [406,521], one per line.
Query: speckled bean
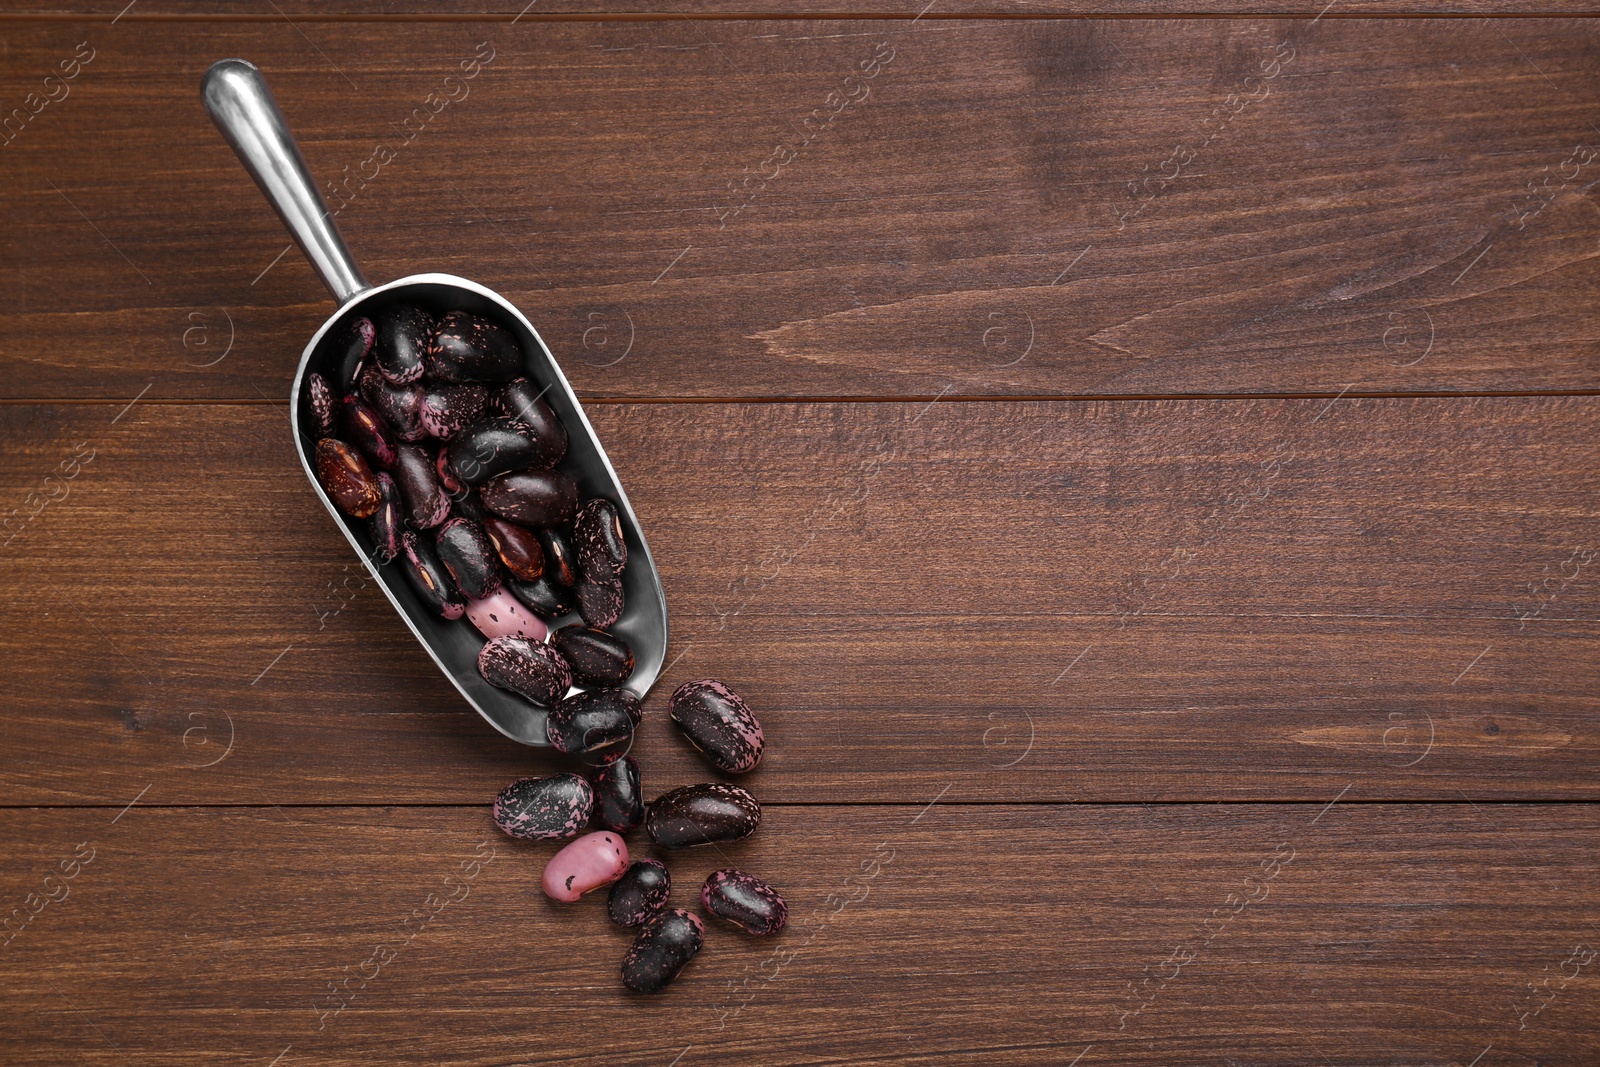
[531,670]
[708,813]
[600,602]
[544,809]
[404,336]
[467,553]
[664,946]
[597,537]
[640,893]
[744,900]
[533,498]
[597,657]
[428,576]
[718,722]
[591,720]
[500,615]
[347,478]
[471,348]
[618,798]
[585,865]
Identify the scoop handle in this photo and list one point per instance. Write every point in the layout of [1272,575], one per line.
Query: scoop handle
[239,101]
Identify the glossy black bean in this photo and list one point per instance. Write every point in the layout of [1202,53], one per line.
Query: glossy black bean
[388,523]
[489,447]
[543,597]
[544,809]
[718,722]
[365,428]
[533,498]
[600,603]
[560,563]
[708,813]
[535,671]
[322,405]
[518,546]
[464,504]
[597,536]
[664,946]
[597,657]
[467,553]
[587,721]
[429,578]
[426,503]
[525,402]
[640,893]
[449,409]
[618,798]
[447,477]
[744,900]
[404,336]
[471,348]
[400,405]
[347,346]
[347,478]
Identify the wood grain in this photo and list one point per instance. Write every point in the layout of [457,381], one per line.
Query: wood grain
[1362,218]
[1259,599]
[1345,935]
[546,10]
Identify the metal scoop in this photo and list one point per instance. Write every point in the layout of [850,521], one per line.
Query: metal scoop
[240,103]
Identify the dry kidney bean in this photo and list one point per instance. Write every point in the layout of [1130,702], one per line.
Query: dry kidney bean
[744,900]
[618,801]
[662,949]
[639,894]
[597,535]
[449,409]
[404,336]
[347,478]
[525,403]
[518,547]
[429,578]
[559,563]
[586,864]
[466,504]
[544,597]
[718,722]
[388,522]
[447,478]
[365,429]
[544,809]
[466,552]
[499,615]
[531,670]
[426,503]
[593,719]
[597,657]
[533,498]
[600,602]
[320,399]
[496,445]
[400,405]
[471,348]
[347,346]
[701,815]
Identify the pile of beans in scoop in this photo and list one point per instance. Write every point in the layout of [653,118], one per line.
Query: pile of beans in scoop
[427,430]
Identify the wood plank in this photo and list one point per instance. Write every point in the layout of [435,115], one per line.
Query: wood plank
[1365,222]
[1349,935]
[519,10]
[1181,600]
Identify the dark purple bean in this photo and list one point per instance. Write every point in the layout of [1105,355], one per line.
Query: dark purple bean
[597,657]
[543,597]
[388,522]
[533,498]
[495,445]
[618,799]
[518,547]
[544,809]
[449,409]
[535,671]
[664,946]
[597,536]
[323,406]
[523,401]
[702,814]
[447,477]
[465,504]
[400,405]
[600,603]
[559,561]
[467,553]
[584,722]
[718,722]
[347,347]
[429,578]
[471,348]
[640,893]
[745,901]
[427,505]
[366,429]
[347,478]
[404,336]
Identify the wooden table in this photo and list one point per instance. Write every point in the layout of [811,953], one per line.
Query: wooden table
[1142,469]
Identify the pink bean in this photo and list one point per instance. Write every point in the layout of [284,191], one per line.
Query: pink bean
[589,862]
